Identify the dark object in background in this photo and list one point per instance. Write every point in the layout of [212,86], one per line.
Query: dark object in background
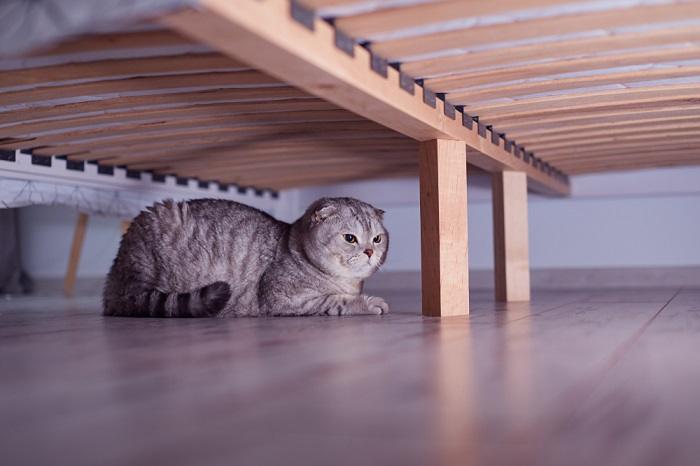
[12,278]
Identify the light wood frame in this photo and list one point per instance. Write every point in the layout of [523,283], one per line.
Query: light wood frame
[510,237]
[444,249]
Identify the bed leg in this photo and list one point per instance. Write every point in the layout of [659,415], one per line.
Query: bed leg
[510,237]
[74,258]
[443,212]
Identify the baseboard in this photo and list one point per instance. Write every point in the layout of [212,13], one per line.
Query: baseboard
[560,279]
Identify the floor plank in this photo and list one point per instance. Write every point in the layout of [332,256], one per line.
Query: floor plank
[584,377]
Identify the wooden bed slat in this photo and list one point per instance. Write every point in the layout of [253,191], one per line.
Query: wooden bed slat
[551,69]
[149,85]
[403,17]
[309,59]
[521,91]
[397,50]
[119,68]
[560,49]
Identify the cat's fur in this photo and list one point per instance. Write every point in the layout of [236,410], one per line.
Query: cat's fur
[220,258]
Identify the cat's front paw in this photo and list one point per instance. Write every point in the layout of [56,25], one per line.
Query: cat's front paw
[376,305]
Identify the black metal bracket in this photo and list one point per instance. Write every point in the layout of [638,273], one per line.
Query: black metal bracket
[379,65]
[407,83]
[344,42]
[302,15]
[77,165]
[447,108]
[105,169]
[7,155]
[42,160]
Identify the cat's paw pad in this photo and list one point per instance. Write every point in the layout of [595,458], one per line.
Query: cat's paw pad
[376,305]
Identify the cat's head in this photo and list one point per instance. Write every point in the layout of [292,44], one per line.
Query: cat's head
[345,237]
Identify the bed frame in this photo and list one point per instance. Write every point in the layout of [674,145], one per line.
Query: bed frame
[277,94]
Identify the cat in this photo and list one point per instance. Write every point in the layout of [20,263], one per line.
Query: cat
[212,257]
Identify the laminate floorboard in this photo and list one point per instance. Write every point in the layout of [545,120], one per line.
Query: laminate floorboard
[575,378]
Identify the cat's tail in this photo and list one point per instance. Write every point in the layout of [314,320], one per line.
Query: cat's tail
[207,301]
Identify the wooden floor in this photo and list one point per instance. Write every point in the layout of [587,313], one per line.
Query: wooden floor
[575,378]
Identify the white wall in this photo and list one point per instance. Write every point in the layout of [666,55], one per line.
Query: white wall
[649,218]
[46,233]
[646,218]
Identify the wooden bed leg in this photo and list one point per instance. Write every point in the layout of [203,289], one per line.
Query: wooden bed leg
[443,214]
[510,238]
[74,258]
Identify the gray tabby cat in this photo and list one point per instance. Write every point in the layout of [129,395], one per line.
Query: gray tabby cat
[220,258]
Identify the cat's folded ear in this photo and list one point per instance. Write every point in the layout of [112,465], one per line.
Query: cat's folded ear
[379,212]
[322,210]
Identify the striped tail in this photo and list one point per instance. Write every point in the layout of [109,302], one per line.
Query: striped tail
[207,301]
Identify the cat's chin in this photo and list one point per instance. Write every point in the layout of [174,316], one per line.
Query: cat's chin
[364,274]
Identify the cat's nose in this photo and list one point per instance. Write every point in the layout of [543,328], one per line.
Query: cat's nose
[369,252]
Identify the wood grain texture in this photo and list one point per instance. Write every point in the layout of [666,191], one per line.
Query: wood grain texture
[311,61]
[557,84]
[620,119]
[404,17]
[119,69]
[594,101]
[546,382]
[510,237]
[148,85]
[560,49]
[458,85]
[443,207]
[399,49]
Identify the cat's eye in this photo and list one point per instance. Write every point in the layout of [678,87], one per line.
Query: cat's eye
[352,239]
[377,239]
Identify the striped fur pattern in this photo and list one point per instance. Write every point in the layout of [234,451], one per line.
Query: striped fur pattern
[207,257]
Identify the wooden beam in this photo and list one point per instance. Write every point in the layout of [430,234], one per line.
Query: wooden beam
[265,35]
[510,236]
[74,258]
[443,208]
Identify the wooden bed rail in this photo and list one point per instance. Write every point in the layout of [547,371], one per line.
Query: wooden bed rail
[307,52]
